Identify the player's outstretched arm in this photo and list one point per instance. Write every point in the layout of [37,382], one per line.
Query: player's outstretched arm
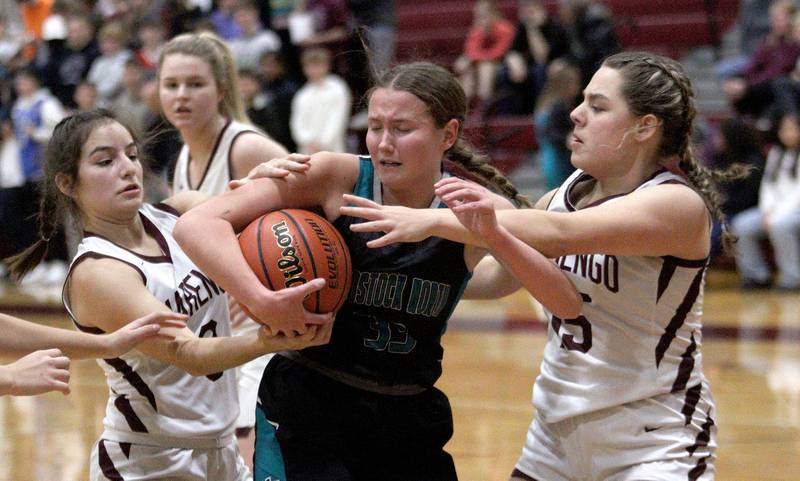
[111,306]
[23,337]
[539,275]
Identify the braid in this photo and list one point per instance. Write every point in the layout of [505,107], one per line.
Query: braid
[477,165]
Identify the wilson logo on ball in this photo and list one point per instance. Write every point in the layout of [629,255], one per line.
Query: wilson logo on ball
[288,263]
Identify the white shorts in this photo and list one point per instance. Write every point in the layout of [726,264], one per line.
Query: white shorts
[112,460]
[646,440]
[248,378]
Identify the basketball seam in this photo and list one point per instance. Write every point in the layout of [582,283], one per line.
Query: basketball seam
[261,253]
[302,236]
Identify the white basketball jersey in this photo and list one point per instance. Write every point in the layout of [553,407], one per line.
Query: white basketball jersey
[638,334]
[147,397]
[218,172]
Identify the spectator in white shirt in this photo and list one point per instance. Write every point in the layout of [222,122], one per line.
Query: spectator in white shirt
[777,215]
[107,69]
[321,108]
[255,40]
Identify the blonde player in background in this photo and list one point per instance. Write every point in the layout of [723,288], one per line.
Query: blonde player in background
[198,88]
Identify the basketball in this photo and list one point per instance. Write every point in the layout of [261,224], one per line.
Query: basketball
[290,247]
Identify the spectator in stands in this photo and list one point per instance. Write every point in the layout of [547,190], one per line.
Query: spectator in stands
[129,105]
[86,97]
[255,39]
[488,41]
[151,39]
[750,92]
[279,90]
[324,23]
[321,108]
[34,115]
[224,21]
[10,45]
[67,67]
[736,143]
[777,215]
[255,99]
[539,40]
[591,33]
[559,97]
[106,71]
[753,24]
[33,14]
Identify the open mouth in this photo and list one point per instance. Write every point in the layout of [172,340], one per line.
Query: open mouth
[389,163]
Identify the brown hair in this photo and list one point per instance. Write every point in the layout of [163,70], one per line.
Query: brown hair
[657,85]
[213,50]
[436,87]
[62,156]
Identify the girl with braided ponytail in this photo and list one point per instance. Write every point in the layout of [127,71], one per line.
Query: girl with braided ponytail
[364,407]
[621,393]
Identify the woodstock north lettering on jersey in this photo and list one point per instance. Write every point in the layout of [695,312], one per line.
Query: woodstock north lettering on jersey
[382,289]
[193,292]
[599,268]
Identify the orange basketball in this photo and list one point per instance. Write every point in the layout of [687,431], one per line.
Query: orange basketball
[290,247]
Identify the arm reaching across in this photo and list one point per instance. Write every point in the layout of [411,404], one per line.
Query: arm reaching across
[23,337]
[668,219]
[539,275]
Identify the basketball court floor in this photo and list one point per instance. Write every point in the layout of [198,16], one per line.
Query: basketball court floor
[492,353]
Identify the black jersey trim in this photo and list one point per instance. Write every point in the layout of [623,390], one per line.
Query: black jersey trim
[679,318]
[64,296]
[519,474]
[166,208]
[686,367]
[210,159]
[106,464]
[134,379]
[690,401]
[151,229]
[230,148]
[123,405]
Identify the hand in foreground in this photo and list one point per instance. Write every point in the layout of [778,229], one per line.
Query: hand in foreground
[275,168]
[126,338]
[401,224]
[37,373]
[283,312]
[471,203]
[315,335]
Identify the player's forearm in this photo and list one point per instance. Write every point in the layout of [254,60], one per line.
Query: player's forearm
[540,276]
[23,337]
[204,356]
[212,244]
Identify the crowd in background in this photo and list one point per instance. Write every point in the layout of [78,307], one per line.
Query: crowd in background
[304,65]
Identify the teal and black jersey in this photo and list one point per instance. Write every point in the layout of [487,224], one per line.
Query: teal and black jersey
[389,330]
